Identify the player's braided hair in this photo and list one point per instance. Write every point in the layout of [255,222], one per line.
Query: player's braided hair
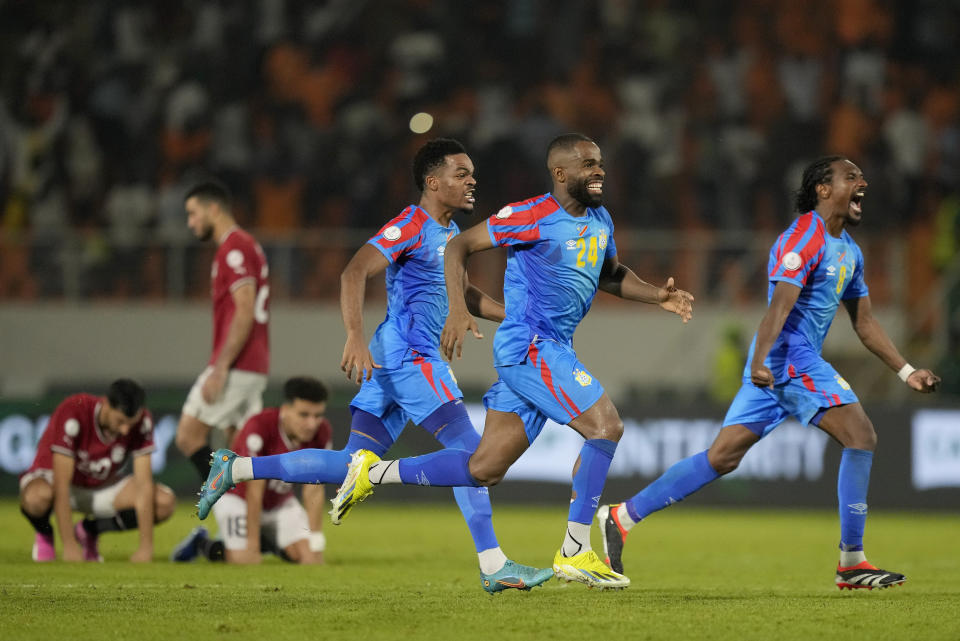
[126,395]
[819,172]
[431,156]
[306,388]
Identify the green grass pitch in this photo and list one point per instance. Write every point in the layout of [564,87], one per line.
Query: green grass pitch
[408,571]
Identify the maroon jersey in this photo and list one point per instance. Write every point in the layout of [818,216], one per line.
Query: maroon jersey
[73,431]
[239,261]
[263,436]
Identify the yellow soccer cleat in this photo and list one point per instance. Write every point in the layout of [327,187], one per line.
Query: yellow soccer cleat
[587,568]
[356,486]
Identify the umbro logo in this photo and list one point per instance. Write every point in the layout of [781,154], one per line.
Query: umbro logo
[858,508]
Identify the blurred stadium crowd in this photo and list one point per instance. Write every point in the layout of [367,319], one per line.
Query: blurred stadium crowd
[704,110]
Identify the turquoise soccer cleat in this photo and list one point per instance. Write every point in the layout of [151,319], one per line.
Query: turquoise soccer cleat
[516,577]
[218,482]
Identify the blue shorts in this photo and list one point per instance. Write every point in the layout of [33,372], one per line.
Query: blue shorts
[804,394]
[411,392]
[549,383]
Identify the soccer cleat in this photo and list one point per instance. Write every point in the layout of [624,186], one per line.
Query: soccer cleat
[219,480]
[356,486]
[587,568]
[514,576]
[88,542]
[864,575]
[43,549]
[614,536]
[187,549]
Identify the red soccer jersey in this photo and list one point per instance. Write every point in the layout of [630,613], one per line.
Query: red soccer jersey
[263,436]
[240,260]
[73,431]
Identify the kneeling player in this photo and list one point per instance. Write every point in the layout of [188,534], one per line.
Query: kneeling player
[77,467]
[264,515]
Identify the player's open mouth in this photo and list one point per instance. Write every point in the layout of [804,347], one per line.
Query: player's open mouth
[470,197]
[595,187]
[856,203]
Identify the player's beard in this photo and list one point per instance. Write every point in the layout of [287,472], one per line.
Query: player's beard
[206,233]
[583,196]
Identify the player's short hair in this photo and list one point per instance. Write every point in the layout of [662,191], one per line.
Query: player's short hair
[431,156]
[819,172]
[126,395]
[211,191]
[565,142]
[306,388]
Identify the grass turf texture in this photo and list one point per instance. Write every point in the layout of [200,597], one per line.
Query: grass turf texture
[408,571]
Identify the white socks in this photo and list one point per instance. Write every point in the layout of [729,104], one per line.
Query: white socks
[576,540]
[848,559]
[242,469]
[492,560]
[624,517]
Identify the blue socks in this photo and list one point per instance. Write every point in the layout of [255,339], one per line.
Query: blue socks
[303,466]
[852,482]
[591,476]
[680,481]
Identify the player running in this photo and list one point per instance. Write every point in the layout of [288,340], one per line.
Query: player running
[266,515]
[561,250]
[230,389]
[84,447]
[402,373]
[814,266]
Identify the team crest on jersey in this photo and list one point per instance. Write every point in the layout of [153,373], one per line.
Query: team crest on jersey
[791,261]
[235,261]
[117,453]
[392,232]
[603,240]
[842,382]
[505,212]
[582,377]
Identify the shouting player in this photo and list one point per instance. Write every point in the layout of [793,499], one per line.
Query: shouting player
[814,266]
[402,375]
[561,250]
[85,445]
[230,389]
[262,514]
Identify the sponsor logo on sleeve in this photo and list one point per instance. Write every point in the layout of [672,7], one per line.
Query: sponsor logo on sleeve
[791,261]
[505,212]
[392,232]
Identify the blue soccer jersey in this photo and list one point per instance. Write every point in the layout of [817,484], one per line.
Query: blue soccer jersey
[414,244]
[553,267]
[827,270]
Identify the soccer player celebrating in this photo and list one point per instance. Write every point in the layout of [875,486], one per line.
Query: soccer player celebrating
[402,375]
[85,445]
[262,511]
[560,251]
[230,389]
[814,266]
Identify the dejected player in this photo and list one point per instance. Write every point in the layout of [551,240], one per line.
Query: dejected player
[230,389]
[814,266]
[78,464]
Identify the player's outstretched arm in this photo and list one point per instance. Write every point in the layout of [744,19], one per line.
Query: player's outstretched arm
[63,466]
[875,339]
[785,296]
[366,263]
[619,280]
[481,304]
[143,505]
[459,321]
[314,498]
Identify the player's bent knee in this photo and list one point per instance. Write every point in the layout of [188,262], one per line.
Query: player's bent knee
[37,498]
[164,503]
[485,474]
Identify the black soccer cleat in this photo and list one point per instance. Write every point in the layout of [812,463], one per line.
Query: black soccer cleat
[613,536]
[864,575]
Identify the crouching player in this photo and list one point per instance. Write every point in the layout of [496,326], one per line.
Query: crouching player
[264,515]
[84,447]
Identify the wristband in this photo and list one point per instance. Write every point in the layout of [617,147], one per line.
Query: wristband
[318,542]
[906,371]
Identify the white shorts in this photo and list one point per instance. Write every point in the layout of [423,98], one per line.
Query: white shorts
[92,501]
[283,525]
[97,501]
[242,397]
